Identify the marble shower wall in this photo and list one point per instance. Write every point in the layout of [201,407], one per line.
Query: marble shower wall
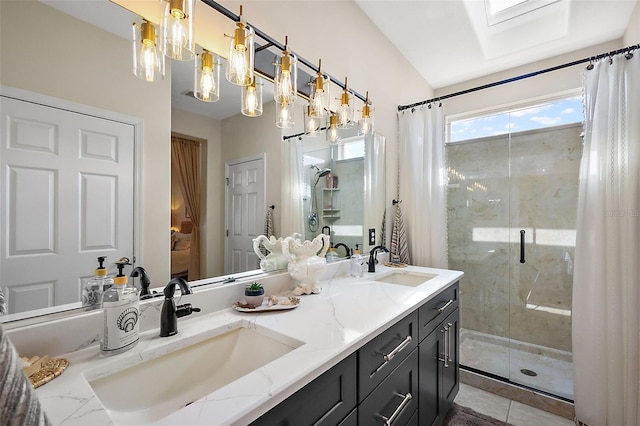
[496,189]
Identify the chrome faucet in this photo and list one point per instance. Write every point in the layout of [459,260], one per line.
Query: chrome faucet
[346,248]
[145,282]
[372,257]
[170,313]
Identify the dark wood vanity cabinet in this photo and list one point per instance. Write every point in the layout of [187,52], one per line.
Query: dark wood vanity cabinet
[407,375]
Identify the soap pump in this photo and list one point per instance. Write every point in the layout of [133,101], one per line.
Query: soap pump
[332,256]
[94,288]
[120,305]
[356,262]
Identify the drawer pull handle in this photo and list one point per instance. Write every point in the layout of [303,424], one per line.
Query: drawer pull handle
[388,357]
[405,401]
[445,306]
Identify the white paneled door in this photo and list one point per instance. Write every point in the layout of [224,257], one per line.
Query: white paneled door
[245,213]
[67,198]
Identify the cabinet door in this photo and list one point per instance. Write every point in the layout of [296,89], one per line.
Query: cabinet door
[431,352]
[325,401]
[435,310]
[450,374]
[395,400]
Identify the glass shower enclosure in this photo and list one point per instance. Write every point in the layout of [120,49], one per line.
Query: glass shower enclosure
[512,202]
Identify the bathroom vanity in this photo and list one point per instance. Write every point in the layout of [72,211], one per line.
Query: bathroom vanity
[367,349]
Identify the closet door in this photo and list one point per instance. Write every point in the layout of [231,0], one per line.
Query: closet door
[67,198]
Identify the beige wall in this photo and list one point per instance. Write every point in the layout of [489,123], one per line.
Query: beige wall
[49,52]
[531,88]
[632,34]
[208,130]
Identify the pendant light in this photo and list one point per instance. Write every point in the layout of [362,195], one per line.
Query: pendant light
[176,29]
[207,77]
[312,123]
[284,115]
[320,92]
[365,124]
[286,77]
[148,61]
[345,110]
[240,62]
[252,98]
[333,136]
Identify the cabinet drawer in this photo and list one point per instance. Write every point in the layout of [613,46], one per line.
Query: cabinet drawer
[435,310]
[396,399]
[325,401]
[380,356]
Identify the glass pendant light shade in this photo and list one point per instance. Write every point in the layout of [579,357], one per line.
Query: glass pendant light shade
[176,29]
[320,92]
[286,78]
[207,77]
[252,98]
[312,123]
[345,110]
[240,61]
[284,115]
[148,61]
[333,137]
[365,124]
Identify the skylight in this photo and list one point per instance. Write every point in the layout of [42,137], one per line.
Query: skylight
[502,10]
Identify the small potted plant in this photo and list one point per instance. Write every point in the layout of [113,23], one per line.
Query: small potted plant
[254,293]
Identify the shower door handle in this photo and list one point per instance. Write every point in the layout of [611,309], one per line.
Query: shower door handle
[522,246]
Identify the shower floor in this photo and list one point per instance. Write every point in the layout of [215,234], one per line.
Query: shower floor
[505,358]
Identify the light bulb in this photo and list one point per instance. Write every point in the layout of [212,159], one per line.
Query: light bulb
[343,115]
[238,64]
[251,100]
[284,89]
[333,134]
[148,60]
[318,102]
[207,83]
[176,36]
[365,125]
[284,114]
[313,126]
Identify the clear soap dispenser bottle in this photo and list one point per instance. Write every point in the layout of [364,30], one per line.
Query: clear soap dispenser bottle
[356,263]
[94,288]
[332,256]
[120,305]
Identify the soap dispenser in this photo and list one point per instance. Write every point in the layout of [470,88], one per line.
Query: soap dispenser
[120,305]
[332,256]
[94,288]
[356,263]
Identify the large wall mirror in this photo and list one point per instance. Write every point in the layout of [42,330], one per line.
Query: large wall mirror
[79,55]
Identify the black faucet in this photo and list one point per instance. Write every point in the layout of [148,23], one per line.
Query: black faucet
[145,282]
[346,248]
[170,313]
[372,257]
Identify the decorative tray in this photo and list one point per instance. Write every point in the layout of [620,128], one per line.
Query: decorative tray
[270,304]
[396,265]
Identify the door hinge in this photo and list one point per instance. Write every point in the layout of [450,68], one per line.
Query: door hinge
[227,232]
[227,181]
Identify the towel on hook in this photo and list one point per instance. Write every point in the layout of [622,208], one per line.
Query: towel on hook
[268,228]
[383,229]
[399,244]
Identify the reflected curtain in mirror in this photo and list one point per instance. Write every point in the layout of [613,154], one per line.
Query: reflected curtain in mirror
[185,162]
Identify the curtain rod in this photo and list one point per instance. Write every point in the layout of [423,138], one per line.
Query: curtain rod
[522,77]
[270,40]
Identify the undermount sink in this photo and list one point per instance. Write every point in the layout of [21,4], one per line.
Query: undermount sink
[406,278]
[154,388]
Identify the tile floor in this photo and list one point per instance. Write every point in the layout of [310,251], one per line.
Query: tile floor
[506,410]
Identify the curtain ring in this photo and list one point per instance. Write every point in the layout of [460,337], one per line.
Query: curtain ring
[590,66]
[629,55]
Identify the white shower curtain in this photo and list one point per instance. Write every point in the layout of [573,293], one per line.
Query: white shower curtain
[606,285]
[292,190]
[422,184]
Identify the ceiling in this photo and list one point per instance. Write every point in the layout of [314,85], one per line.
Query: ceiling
[450,41]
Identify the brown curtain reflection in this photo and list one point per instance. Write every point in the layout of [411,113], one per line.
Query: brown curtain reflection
[185,161]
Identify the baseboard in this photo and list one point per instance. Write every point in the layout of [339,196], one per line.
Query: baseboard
[525,396]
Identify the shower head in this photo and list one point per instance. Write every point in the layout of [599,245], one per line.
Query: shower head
[323,172]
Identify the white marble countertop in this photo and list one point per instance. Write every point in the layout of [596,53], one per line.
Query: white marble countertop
[333,324]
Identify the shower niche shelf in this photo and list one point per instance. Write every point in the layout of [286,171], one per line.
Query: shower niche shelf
[330,203]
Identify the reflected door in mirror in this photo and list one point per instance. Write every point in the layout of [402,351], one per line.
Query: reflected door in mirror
[68,188]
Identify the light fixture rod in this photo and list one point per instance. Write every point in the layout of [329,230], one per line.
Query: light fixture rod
[229,14]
